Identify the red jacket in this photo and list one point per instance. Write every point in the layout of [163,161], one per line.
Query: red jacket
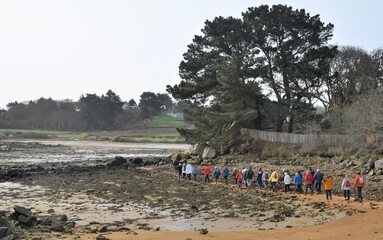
[207,170]
[309,178]
[239,176]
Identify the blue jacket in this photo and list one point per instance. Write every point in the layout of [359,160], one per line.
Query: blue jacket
[216,173]
[298,179]
[195,171]
[225,172]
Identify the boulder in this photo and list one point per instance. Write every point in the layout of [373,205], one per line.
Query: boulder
[197,149]
[5,231]
[378,164]
[370,163]
[209,152]
[118,161]
[137,160]
[19,210]
[102,228]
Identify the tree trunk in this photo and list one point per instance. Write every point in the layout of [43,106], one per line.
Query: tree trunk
[291,124]
[280,121]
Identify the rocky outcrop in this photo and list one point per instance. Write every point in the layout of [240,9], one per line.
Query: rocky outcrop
[378,164]
[209,152]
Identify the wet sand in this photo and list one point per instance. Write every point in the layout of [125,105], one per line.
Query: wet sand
[125,197]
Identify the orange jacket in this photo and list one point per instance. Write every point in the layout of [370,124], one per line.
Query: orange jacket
[328,183]
[359,181]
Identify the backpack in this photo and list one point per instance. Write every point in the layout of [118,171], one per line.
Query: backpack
[361,180]
[275,176]
[347,183]
[266,176]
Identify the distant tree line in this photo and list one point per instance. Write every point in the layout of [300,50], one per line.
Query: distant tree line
[269,70]
[90,112]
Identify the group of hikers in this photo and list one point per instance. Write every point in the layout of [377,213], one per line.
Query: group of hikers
[312,180]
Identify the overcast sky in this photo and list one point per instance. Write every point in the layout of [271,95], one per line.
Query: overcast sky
[64,48]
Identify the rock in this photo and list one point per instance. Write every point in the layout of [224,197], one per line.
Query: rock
[102,237]
[137,160]
[203,231]
[64,218]
[19,210]
[370,163]
[26,221]
[118,161]
[196,149]
[5,228]
[4,222]
[209,152]
[50,211]
[57,226]
[378,164]
[358,163]
[379,172]
[102,228]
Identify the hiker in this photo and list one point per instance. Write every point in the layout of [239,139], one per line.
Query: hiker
[189,170]
[179,170]
[309,182]
[207,171]
[183,170]
[234,175]
[195,172]
[287,181]
[328,185]
[216,174]
[265,179]
[274,180]
[225,173]
[346,187]
[239,178]
[359,184]
[312,171]
[298,181]
[318,178]
[244,176]
[259,178]
[249,177]
[176,163]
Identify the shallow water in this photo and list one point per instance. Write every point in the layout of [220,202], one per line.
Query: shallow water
[86,152]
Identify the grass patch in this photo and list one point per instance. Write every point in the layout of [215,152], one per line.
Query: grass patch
[152,139]
[165,121]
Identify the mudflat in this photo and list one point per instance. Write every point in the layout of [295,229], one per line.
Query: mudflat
[147,200]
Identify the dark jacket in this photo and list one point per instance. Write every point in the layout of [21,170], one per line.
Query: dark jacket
[318,177]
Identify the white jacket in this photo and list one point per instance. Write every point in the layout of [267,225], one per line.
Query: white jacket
[189,169]
[344,187]
[287,179]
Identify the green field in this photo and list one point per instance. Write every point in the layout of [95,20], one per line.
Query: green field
[161,128]
[163,121]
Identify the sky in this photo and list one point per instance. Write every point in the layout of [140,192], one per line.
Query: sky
[63,49]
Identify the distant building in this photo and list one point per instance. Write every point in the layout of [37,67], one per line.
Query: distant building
[126,106]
